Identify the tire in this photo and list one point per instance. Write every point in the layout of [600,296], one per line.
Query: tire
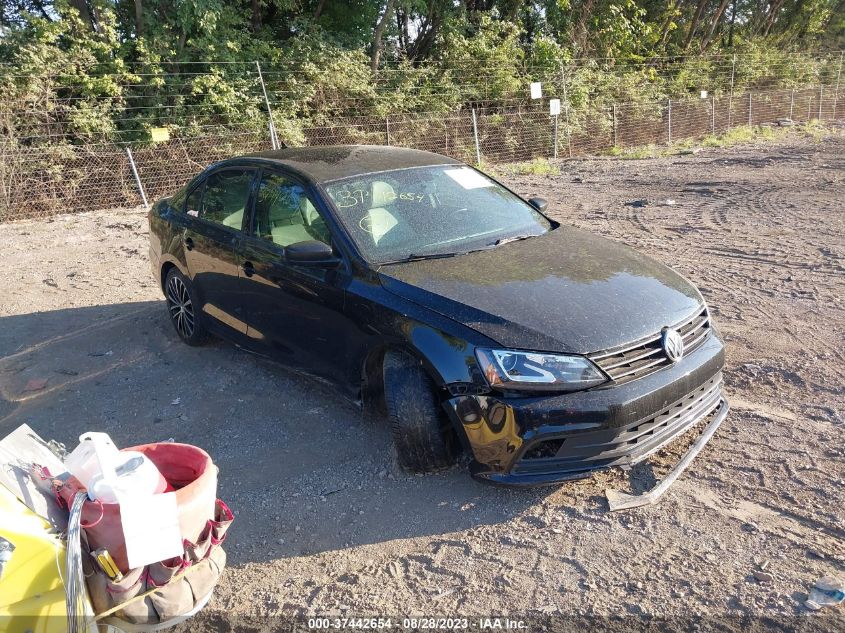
[423,437]
[181,308]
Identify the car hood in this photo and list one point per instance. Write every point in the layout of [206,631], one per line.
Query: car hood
[567,290]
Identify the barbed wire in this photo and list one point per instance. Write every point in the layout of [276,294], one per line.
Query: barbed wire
[54,162]
[386,62]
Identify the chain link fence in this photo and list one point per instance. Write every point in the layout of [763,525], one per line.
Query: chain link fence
[45,178]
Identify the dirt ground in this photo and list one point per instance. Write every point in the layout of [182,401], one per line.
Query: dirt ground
[327,524]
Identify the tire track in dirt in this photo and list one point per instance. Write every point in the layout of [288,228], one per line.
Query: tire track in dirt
[327,524]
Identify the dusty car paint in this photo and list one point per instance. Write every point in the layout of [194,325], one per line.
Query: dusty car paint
[565,291]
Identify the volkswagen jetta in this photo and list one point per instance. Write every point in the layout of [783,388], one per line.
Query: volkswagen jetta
[433,295]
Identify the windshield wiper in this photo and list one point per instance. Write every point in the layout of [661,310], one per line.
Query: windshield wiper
[515,238]
[413,257]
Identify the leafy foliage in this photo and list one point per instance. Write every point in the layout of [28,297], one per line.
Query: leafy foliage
[79,71]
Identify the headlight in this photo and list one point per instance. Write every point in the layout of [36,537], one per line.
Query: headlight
[506,369]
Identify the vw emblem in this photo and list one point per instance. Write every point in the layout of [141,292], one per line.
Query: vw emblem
[672,344]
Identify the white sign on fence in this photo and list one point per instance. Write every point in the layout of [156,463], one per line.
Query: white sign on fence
[536,90]
[703,94]
[554,107]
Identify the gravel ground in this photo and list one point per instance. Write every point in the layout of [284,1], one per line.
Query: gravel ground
[327,524]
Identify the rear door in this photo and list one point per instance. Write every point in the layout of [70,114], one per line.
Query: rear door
[295,312]
[211,242]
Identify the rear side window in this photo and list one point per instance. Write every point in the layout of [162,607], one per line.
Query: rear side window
[225,197]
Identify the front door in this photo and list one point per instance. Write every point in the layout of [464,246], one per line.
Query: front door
[211,240]
[295,312]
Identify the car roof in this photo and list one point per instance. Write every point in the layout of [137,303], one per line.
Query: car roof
[333,162]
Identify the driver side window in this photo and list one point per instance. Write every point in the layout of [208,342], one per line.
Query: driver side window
[225,196]
[285,215]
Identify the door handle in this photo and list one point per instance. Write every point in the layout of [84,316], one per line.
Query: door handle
[248,268]
[189,243]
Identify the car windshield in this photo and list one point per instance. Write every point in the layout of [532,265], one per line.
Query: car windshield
[430,212]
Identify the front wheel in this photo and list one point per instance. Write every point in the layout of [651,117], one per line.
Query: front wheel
[424,439]
[182,308]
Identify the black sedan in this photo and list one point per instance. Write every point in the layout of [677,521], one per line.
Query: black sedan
[436,297]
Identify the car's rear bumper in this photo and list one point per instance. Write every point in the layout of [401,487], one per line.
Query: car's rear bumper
[155,265]
[536,441]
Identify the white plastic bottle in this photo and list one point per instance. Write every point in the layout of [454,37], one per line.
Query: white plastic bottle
[108,473]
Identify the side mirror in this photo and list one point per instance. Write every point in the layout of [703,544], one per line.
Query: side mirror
[538,203]
[311,253]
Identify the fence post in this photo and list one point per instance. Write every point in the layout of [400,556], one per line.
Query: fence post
[670,121]
[47,126]
[566,109]
[838,77]
[731,94]
[809,108]
[137,178]
[387,127]
[274,139]
[713,114]
[555,151]
[749,109]
[821,100]
[791,103]
[475,134]
[615,142]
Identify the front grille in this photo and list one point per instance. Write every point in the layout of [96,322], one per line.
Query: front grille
[635,360]
[628,444]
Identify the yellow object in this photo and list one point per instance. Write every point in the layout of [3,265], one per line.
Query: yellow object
[107,564]
[160,134]
[493,434]
[32,592]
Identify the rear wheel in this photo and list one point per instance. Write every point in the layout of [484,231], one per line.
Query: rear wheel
[181,306]
[422,434]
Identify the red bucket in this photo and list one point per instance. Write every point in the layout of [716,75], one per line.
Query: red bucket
[188,471]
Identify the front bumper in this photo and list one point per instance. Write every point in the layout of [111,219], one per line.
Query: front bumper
[544,440]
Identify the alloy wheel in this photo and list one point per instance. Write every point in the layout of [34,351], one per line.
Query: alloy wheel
[181,307]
